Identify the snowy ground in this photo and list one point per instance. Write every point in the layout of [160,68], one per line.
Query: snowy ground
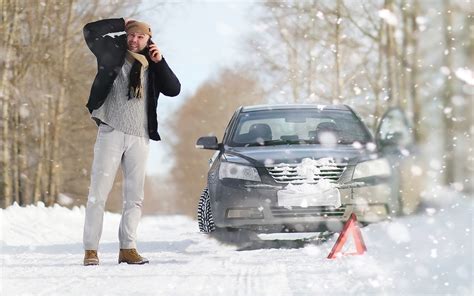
[429,253]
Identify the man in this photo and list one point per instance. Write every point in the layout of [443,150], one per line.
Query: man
[124,95]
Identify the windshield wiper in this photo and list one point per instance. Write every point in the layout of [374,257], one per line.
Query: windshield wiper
[278,142]
[293,142]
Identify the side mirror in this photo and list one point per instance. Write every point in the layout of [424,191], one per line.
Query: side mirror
[207,143]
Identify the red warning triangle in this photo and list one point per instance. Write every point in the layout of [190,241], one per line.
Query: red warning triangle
[349,228]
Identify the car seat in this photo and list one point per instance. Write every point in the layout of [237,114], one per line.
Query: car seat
[259,132]
[326,126]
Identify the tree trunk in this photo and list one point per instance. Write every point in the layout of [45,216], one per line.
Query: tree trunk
[38,192]
[377,89]
[48,177]
[25,183]
[55,182]
[404,72]
[15,157]
[337,55]
[414,74]
[311,71]
[9,33]
[468,166]
[448,124]
[390,56]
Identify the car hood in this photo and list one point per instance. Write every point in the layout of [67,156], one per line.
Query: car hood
[268,155]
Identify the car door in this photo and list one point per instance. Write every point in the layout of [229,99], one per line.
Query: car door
[395,140]
[394,132]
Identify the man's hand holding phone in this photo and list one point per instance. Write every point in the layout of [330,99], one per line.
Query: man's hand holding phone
[155,53]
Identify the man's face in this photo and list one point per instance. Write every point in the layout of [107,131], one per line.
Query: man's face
[136,42]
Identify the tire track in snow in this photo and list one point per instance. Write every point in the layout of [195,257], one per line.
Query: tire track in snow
[269,279]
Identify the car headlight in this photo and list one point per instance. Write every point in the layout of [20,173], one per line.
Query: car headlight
[237,171]
[379,167]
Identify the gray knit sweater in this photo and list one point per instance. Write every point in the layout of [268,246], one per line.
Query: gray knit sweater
[127,116]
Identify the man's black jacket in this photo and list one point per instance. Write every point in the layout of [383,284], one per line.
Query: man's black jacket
[110,53]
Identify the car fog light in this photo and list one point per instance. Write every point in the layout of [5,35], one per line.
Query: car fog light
[248,213]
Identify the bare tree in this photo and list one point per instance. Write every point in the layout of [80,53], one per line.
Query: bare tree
[46,134]
[302,47]
[378,50]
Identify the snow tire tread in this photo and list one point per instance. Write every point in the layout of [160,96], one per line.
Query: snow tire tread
[205,219]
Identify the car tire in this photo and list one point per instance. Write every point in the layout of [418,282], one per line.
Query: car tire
[205,219]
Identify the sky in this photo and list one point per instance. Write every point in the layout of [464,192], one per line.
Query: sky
[196,38]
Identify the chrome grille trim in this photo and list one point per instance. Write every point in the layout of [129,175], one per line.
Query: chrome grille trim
[299,212]
[288,173]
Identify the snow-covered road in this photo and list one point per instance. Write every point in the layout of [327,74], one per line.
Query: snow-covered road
[429,253]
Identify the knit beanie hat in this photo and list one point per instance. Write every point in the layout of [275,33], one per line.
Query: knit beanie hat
[138,27]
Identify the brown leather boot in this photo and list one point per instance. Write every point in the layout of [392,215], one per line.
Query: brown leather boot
[90,258]
[131,256]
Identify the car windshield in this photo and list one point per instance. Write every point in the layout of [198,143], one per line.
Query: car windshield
[298,126]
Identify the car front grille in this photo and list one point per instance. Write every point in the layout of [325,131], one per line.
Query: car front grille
[288,173]
[298,212]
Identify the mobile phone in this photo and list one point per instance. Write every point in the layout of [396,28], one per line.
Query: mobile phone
[150,42]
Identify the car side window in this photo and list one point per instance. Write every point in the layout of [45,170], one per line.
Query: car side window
[394,129]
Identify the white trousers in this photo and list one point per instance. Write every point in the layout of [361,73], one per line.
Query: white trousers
[112,148]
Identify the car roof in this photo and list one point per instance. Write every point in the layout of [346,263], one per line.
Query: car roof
[293,106]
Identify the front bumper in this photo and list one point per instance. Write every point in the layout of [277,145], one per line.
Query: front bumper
[367,202]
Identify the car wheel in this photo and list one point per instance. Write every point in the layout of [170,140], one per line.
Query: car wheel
[205,220]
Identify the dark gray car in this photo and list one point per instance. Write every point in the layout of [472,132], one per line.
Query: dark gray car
[306,168]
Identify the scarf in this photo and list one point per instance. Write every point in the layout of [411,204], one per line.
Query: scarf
[137,74]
